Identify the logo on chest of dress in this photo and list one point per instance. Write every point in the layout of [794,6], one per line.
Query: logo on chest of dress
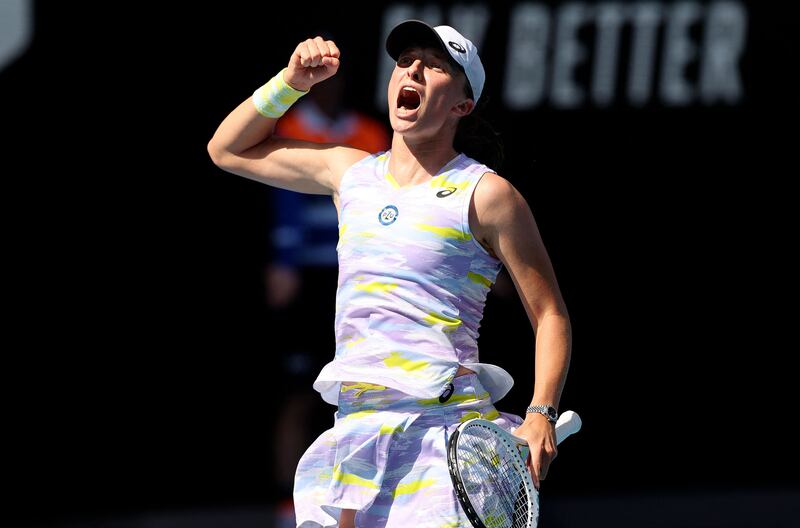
[446,192]
[388,215]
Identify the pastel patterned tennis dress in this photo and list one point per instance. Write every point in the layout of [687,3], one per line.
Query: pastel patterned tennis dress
[412,287]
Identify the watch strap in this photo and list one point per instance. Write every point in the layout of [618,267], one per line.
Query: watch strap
[547,410]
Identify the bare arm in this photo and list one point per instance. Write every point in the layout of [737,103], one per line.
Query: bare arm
[511,231]
[243,143]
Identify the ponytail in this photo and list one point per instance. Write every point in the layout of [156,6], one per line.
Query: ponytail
[477,138]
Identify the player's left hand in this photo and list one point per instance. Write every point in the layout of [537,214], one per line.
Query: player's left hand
[541,437]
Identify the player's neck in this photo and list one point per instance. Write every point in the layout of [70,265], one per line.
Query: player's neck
[413,163]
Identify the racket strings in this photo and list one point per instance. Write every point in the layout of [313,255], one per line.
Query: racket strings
[492,479]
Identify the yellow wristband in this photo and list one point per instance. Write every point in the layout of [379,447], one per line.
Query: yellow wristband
[274,98]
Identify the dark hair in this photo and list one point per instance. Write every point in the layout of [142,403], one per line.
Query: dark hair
[477,138]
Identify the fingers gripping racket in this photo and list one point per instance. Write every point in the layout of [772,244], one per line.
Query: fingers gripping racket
[493,484]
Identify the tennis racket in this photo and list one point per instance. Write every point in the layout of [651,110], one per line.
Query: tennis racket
[493,484]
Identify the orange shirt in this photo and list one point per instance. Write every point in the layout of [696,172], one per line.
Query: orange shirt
[305,122]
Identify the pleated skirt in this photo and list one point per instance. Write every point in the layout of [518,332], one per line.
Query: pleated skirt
[386,457]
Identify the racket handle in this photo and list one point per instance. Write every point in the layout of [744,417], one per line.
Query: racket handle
[568,423]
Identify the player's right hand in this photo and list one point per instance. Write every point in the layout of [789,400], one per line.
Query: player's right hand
[313,61]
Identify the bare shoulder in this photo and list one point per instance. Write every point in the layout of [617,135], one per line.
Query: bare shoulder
[491,196]
[496,197]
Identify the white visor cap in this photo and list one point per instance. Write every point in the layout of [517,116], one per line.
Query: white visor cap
[461,49]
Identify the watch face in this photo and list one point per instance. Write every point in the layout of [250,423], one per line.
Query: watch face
[551,413]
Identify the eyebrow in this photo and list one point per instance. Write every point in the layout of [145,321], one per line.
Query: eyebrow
[436,53]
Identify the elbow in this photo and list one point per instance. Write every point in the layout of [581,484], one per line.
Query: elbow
[563,317]
[216,153]
[556,317]
[220,156]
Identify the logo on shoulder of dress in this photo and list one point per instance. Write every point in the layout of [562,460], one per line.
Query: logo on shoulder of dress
[446,192]
[388,215]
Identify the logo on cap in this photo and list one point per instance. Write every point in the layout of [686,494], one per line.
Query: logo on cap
[456,46]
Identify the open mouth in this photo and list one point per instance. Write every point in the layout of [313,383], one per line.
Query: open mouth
[408,98]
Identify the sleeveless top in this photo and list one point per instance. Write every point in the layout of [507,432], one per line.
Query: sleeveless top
[412,282]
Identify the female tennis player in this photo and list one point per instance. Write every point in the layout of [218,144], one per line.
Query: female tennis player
[424,229]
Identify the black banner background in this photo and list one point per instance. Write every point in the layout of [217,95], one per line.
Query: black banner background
[139,353]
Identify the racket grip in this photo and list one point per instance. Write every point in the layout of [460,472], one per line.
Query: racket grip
[568,423]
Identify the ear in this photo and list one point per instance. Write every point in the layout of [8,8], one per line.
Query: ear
[465,107]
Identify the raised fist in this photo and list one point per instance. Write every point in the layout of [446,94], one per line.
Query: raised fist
[313,61]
